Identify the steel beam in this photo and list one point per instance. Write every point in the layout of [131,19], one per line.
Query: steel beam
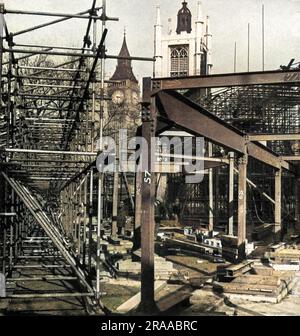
[137,211]
[47,24]
[278,197]
[47,52]
[115,205]
[198,121]
[286,77]
[297,202]
[242,206]
[291,158]
[210,192]
[230,194]
[1,46]
[49,69]
[274,137]
[148,208]
[194,119]
[48,152]
[63,15]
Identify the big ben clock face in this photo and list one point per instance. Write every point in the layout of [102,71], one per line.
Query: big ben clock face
[118,97]
[135,98]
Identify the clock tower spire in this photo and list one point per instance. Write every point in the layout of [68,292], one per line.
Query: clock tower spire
[124,67]
[124,91]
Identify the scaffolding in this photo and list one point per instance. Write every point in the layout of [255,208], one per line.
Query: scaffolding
[53,108]
[55,203]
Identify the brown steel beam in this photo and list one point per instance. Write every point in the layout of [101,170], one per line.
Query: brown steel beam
[148,305]
[274,137]
[278,196]
[195,119]
[291,158]
[242,206]
[137,211]
[211,218]
[261,153]
[228,80]
[297,203]
[230,194]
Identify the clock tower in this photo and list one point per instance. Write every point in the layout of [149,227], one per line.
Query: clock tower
[124,92]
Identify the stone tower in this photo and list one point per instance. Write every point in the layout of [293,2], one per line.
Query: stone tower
[185,51]
[124,91]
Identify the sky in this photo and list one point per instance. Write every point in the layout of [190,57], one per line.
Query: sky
[228,24]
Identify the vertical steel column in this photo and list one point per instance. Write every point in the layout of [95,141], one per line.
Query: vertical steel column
[11,231]
[297,202]
[99,222]
[114,228]
[4,250]
[100,174]
[4,247]
[1,45]
[78,211]
[85,221]
[216,184]
[90,212]
[14,108]
[71,188]
[22,214]
[149,115]
[230,194]
[137,211]
[17,226]
[211,192]
[115,201]
[9,135]
[278,179]
[242,206]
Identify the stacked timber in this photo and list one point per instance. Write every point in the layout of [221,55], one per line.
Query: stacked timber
[284,255]
[229,248]
[123,247]
[268,286]
[132,269]
[284,258]
[228,273]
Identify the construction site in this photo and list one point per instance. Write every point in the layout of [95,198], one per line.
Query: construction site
[166,238]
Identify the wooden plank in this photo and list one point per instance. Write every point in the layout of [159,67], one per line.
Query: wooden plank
[172,295]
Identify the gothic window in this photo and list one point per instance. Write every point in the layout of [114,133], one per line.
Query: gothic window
[179,61]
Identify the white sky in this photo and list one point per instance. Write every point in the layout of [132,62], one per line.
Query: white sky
[229,20]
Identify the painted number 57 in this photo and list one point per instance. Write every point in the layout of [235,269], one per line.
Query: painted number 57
[147,177]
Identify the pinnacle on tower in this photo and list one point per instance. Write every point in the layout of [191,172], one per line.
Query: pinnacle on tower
[184,19]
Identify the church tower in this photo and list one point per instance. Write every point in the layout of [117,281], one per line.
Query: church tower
[185,51]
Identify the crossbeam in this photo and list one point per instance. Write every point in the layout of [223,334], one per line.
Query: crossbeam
[199,121]
[48,152]
[287,77]
[274,137]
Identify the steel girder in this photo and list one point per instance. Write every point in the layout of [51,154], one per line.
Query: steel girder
[195,119]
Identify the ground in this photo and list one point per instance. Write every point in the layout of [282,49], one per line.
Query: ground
[118,292]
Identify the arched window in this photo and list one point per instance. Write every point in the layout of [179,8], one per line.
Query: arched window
[179,61]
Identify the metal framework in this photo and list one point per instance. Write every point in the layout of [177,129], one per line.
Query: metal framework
[51,130]
[53,106]
[163,104]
